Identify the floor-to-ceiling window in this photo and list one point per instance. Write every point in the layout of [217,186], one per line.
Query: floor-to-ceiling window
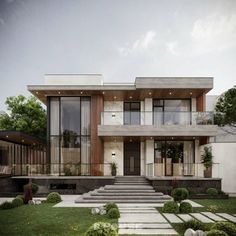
[131,113]
[70,135]
[171,111]
[174,158]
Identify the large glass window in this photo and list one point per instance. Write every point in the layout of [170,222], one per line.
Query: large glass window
[70,148]
[132,113]
[171,111]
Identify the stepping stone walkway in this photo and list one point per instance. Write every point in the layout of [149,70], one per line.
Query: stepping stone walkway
[172,218]
[213,216]
[228,217]
[143,221]
[185,217]
[202,218]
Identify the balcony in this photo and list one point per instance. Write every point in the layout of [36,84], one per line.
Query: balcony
[145,123]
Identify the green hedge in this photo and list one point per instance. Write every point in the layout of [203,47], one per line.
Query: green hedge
[170,207]
[53,197]
[101,229]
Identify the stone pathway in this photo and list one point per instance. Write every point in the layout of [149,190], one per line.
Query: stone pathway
[143,221]
[228,217]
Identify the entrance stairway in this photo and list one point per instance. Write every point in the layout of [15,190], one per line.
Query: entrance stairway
[135,189]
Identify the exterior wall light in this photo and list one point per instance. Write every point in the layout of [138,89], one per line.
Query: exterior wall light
[113,154]
[113,115]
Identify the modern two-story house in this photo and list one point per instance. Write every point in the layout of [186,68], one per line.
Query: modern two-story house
[152,127]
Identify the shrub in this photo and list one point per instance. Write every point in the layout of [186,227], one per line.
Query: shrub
[110,205]
[195,225]
[101,229]
[53,197]
[212,191]
[170,207]
[35,188]
[216,232]
[114,213]
[185,207]
[179,194]
[20,196]
[227,227]
[6,205]
[16,202]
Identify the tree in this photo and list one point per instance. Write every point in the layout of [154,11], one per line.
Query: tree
[26,115]
[225,109]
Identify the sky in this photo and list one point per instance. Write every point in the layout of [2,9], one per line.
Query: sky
[119,39]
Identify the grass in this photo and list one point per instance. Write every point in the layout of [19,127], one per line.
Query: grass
[45,220]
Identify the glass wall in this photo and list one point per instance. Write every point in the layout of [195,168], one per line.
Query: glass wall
[70,135]
[131,113]
[174,158]
[171,111]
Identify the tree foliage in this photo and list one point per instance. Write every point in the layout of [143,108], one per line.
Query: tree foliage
[225,109]
[26,115]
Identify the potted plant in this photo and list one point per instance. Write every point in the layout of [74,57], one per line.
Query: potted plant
[207,160]
[113,168]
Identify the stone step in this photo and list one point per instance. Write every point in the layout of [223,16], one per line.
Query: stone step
[129,187]
[122,200]
[127,197]
[132,183]
[138,211]
[148,231]
[126,191]
[144,226]
[172,218]
[126,194]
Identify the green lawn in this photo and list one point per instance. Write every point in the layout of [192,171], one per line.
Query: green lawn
[45,220]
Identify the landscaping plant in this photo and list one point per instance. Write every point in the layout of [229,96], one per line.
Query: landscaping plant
[114,213]
[110,205]
[6,205]
[35,188]
[53,197]
[179,194]
[101,229]
[212,191]
[195,225]
[216,232]
[185,207]
[17,202]
[170,207]
[227,227]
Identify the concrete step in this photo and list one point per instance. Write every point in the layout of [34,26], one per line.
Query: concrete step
[132,183]
[125,191]
[98,193]
[127,197]
[129,187]
[122,200]
[148,231]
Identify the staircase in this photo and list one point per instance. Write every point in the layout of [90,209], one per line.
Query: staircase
[135,189]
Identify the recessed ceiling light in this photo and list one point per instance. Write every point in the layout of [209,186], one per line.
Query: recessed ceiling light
[22,140]
[170,93]
[37,92]
[193,137]
[130,97]
[190,93]
[172,138]
[59,92]
[103,92]
[151,137]
[130,140]
[6,136]
[114,97]
[81,92]
[150,93]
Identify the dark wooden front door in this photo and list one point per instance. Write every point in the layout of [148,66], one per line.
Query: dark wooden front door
[131,158]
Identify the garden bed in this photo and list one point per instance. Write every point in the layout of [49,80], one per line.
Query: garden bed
[207,196]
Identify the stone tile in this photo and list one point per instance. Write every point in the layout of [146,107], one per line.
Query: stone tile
[202,218]
[141,218]
[145,226]
[172,218]
[228,217]
[148,231]
[194,204]
[213,216]
[185,217]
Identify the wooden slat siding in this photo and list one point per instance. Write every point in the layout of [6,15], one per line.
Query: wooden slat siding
[96,142]
[203,140]
[201,103]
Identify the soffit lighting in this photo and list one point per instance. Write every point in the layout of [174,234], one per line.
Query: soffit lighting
[170,93]
[172,138]
[37,92]
[131,140]
[103,92]
[22,140]
[191,93]
[151,137]
[81,92]
[130,97]
[59,92]
[6,136]
[150,93]
[114,97]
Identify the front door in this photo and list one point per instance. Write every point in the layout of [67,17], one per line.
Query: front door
[131,158]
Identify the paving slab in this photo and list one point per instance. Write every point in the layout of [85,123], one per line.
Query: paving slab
[148,231]
[140,218]
[172,218]
[144,226]
[202,218]
[194,204]
[228,217]
[185,217]
[213,216]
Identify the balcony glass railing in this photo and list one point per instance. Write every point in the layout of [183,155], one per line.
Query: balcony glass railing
[156,118]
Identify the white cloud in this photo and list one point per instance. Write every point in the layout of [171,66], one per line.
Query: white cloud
[172,47]
[141,44]
[215,32]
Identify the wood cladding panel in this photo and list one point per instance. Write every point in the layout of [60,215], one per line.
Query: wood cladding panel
[201,103]
[96,143]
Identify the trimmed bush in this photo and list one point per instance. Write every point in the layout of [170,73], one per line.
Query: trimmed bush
[35,188]
[195,225]
[101,229]
[6,205]
[212,191]
[20,196]
[17,202]
[110,205]
[179,194]
[113,213]
[53,197]
[170,207]
[185,207]
[216,232]
[227,227]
